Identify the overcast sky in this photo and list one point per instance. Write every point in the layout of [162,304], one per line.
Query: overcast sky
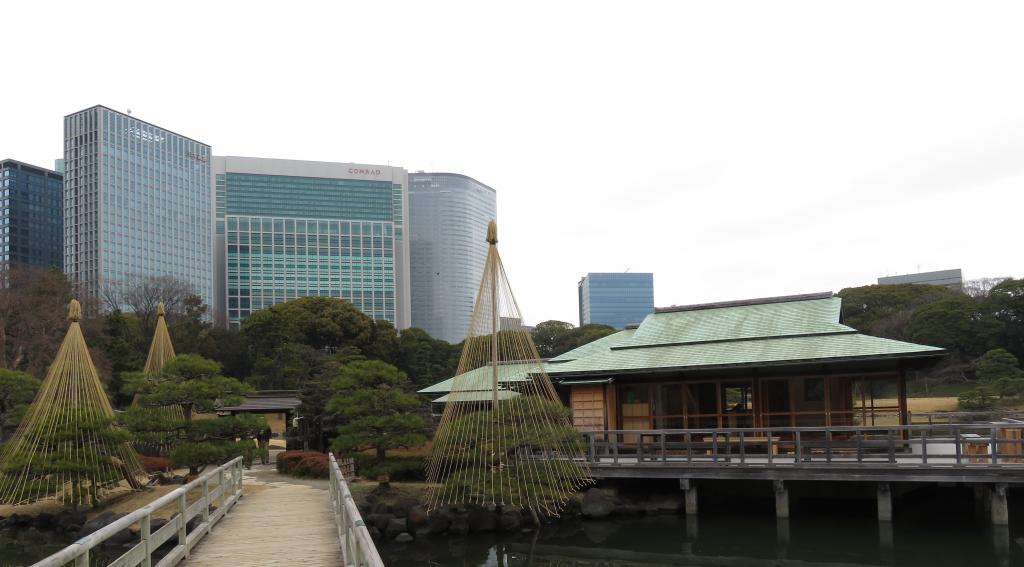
[736,150]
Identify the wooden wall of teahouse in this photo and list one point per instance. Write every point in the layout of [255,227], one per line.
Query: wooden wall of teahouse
[588,407]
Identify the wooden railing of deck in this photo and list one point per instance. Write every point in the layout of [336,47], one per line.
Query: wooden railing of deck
[968,445]
[224,495]
[357,547]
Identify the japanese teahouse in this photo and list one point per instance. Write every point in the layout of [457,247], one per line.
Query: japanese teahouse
[771,362]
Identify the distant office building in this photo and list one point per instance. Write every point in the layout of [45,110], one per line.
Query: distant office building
[288,229]
[448,216]
[953,279]
[137,204]
[31,226]
[616,299]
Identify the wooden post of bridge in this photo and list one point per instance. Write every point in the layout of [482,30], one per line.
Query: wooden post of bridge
[884,502]
[781,499]
[1000,508]
[690,495]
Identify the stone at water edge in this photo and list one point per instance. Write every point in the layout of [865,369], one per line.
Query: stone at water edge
[438,522]
[395,527]
[482,519]
[597,503]
[71,521]
[98,522]
[379,520]
[403,537]
[510,520]
[459,526]
[417,517]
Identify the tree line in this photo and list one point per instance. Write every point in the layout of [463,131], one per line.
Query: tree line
[982,328]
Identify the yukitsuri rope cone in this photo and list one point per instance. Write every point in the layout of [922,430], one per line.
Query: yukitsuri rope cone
[160,352]
[67,447]
[504,439]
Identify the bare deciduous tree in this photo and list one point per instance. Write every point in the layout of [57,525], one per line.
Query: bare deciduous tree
[979,288]
[141,295]
[33,313]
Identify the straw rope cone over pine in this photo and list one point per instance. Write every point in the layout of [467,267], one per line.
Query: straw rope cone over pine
[161,351]
[67,447]
[512,444]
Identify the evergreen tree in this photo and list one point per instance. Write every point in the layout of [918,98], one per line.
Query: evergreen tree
[1000,371]
[374,410]
[195,384]
[16,391]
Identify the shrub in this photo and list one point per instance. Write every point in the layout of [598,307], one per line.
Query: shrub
[154,464]
[977,399]
[195,456]
[308,464]
[314,465]
[287,460]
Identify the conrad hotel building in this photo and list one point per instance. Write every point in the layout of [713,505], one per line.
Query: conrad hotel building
[287,229]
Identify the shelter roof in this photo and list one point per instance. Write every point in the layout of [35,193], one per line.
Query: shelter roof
[267,401]
[474,396]
[593,347]
[772,331]
[480,379]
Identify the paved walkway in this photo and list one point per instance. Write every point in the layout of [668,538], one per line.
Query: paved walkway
[280,521]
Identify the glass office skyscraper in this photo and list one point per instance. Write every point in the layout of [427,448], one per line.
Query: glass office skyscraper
[289,229]
[448,216]
[616,299]
[137,204]
[31,225]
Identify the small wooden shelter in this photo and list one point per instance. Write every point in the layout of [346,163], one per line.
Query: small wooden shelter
[772,362]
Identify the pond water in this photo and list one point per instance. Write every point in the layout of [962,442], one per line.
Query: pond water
[727,540]
[940,529]
[25,547]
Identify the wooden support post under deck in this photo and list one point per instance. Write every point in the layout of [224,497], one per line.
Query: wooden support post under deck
[1001,544]
[781,499]
[690,495]
[782,537]
[1000,509]
[901,392]
[982,501]
[886,540]
[884,502]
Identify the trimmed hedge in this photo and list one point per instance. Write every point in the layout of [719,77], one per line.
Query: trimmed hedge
[308,464]
[155,464]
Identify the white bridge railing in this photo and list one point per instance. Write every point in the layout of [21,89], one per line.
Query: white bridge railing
[225,494]
[357,547]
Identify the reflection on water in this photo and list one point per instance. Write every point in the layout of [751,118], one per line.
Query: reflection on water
[723,540]
[25,550]
[19,548]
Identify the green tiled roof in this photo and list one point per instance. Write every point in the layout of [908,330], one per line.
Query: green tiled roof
[480,378]
[773,331]
[689,325]
[755,352]
[593,347]
[763,332]
[474,396]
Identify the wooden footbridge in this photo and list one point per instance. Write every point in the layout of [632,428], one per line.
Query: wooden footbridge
[229,517]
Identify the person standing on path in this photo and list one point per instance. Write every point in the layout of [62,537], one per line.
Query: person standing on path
[263,440]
